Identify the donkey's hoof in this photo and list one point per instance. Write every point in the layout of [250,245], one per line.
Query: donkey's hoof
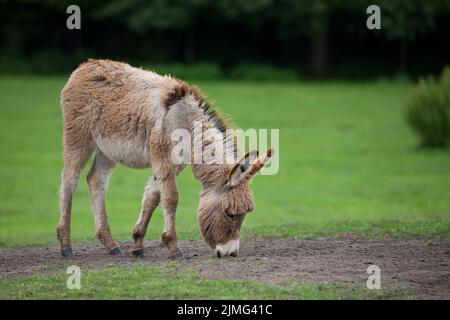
[177,256]
[116,251]
[67,252]
[139,253]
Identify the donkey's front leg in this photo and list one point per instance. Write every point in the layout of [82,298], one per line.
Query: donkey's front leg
[169,197]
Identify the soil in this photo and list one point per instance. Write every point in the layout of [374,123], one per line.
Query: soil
[416,268]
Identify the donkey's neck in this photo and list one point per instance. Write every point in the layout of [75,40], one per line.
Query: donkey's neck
[208,137]
[212,152]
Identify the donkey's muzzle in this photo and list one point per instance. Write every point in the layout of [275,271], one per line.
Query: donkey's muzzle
[230,248]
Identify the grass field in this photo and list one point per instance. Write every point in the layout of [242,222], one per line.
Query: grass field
[348,165]
[171,283]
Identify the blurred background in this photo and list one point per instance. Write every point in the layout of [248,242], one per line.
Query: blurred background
[237,39]
[364,115]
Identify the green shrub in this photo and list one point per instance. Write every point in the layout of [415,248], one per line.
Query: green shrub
[260,72]
[428,110]
[210,71]
[55,62]
[11,63]
[49,62]
[43,62]
[198,71]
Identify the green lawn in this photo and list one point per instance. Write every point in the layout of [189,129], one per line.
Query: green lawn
[172,283]
[348,164]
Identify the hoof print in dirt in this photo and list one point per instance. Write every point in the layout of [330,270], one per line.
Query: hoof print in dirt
[138,253]
[67,253]
[177,256]
[117,251]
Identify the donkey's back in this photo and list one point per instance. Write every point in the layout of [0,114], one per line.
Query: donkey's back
[113,106]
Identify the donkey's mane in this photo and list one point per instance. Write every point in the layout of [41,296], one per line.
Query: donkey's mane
[220,120]
[217,118]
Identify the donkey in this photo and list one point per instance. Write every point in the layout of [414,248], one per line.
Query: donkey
[127,115]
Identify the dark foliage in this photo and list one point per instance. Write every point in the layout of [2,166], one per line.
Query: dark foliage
[308,37]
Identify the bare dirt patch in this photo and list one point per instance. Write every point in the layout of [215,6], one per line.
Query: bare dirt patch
[418,268]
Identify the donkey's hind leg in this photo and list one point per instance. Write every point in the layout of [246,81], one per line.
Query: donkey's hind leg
[97,179]
[75,160]
[152,197]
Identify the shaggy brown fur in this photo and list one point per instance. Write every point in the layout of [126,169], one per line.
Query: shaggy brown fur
[127,115]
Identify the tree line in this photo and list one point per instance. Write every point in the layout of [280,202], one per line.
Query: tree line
[314,37]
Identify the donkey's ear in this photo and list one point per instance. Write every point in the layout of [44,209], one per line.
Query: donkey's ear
[242,168]
[260,163]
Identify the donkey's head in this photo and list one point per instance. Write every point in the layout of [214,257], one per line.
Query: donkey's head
[224,205]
